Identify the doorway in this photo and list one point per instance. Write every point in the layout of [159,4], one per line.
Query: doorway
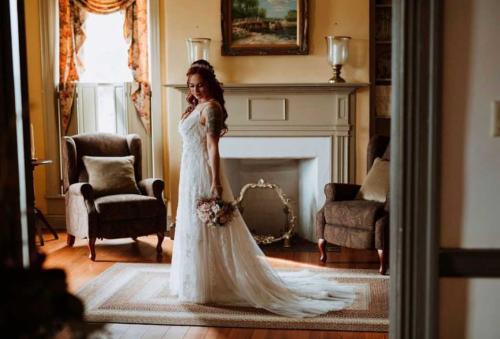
[413,201]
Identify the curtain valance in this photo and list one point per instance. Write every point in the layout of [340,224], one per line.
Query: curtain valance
[104,6]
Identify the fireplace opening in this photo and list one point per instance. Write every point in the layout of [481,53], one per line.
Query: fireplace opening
[263,209]
[301,166]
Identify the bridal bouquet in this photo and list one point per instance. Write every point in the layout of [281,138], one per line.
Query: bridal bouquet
[214,212]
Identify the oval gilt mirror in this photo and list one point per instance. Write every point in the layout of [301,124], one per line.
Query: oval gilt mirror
[267,212]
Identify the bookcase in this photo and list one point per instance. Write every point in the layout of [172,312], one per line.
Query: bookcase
[380,66]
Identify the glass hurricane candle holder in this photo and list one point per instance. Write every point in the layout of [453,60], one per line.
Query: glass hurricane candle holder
[337,54]
[198,48]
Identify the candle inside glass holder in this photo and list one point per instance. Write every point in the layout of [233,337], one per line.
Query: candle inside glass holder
[337,54]
[198,48]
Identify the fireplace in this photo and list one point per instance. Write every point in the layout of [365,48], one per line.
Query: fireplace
[280,160]
[306,129]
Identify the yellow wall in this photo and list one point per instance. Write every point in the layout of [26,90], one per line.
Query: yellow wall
[192,18]
[200,18]
[32,20]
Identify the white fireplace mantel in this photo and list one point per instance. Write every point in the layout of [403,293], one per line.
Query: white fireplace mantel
[313,123]
[295,110]
[288,87]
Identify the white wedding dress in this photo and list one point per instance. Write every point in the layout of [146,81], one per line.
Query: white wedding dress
[224,265]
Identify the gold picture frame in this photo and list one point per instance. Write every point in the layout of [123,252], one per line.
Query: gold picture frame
[264,27]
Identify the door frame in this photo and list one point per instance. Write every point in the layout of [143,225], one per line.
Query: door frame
[17,236]
[415,168]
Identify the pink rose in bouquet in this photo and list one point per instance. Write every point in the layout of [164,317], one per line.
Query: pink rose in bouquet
[214,212]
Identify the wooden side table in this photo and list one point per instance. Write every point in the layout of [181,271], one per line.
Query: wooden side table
[38,214]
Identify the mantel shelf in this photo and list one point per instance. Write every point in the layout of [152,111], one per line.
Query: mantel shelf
[286,87]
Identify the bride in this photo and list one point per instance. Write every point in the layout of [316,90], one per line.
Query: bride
[224,265]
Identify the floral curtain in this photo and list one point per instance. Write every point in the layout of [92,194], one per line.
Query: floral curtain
[71,38]
[136,32]
[72,16]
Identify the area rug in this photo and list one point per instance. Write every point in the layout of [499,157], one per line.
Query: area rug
[139,294]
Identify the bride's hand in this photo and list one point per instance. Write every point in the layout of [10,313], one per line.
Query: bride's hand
[216,190]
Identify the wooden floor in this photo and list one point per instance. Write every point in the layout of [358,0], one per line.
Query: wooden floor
[80,269]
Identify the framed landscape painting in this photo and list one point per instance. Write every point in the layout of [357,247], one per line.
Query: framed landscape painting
[264,27]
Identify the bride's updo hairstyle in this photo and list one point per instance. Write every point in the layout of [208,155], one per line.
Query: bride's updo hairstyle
[206,71]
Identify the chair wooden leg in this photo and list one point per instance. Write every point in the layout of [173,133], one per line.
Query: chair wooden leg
[92,248]
[171,231]
[159,251]
[382,259]
[39,232]
[322,250]
[70,240]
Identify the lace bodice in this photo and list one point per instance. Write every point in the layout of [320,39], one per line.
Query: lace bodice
[192,131]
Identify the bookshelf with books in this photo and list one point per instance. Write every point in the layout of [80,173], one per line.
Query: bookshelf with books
[380,66]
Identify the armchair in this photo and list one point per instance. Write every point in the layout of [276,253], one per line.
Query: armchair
[355,223]
[90,215]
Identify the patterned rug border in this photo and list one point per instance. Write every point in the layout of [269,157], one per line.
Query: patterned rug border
[189,318]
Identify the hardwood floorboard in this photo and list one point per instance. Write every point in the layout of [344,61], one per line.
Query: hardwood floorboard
[260,333]
[80,269]
[243,333]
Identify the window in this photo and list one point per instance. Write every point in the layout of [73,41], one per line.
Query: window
[105,51]
[102,96]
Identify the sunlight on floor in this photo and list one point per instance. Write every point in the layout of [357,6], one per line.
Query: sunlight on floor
[284,263]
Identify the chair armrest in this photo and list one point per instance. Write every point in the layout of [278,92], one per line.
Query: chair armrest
[152,187]
[337,192]
[382,232]
[82,193]
[387,204]
[82,188]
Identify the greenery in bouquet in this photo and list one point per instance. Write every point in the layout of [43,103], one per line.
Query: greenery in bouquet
[215,212]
